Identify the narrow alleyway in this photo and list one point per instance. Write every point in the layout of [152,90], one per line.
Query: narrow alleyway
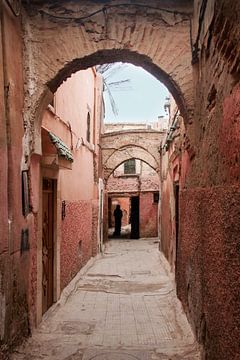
[121,307]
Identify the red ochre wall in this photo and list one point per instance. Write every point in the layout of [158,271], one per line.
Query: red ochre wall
[15,266]
[76,244]
[148,215]
[208,259]
[208,255]
[208,267]
[167,221]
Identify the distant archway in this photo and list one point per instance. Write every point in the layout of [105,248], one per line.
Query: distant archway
[139,144]
[127,153]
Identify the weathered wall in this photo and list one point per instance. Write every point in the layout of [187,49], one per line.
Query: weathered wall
[208,253]
[123,184]
[14,261]
[76,244]
[168,220]
[208,267]
[120,33]
[148,215]
[172,155]
[4,251]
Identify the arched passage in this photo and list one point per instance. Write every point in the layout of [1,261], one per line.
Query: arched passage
[126,153]
[152,36]
[139,144]
[55,46]
[134,185]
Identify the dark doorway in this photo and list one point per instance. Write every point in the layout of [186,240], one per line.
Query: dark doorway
[47,243]
[135,217]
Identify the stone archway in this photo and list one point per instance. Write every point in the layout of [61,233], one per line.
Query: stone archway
[127,153]
[66,37]
[139,144]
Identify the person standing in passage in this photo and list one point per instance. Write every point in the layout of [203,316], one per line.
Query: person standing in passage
[118,220]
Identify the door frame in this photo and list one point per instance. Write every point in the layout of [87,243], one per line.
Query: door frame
[53,175]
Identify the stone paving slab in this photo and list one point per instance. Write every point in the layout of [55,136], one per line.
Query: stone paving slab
[125,304]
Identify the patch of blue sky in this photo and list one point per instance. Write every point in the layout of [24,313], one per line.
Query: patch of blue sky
[140,100]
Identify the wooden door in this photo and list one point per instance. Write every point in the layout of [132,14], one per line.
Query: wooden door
[47,243]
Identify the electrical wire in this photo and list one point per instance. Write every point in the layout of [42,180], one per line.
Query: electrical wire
[107,7]
[15,9]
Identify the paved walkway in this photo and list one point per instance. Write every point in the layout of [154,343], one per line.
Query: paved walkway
[124,307]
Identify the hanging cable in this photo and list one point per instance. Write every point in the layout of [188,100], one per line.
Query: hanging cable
[108,7]
[104,10]
[15,6]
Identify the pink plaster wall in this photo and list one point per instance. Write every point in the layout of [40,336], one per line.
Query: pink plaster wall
[78,187]
[75,98]
[14,265]
[78,95]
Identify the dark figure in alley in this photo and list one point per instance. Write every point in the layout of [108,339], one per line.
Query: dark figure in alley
[118,220]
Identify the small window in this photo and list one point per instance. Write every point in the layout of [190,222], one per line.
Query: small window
[156,197]
[26,208]
[88,127]
[130,166]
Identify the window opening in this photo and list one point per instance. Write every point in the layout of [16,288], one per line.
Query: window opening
[156,197]
[130,166]
[88,127]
